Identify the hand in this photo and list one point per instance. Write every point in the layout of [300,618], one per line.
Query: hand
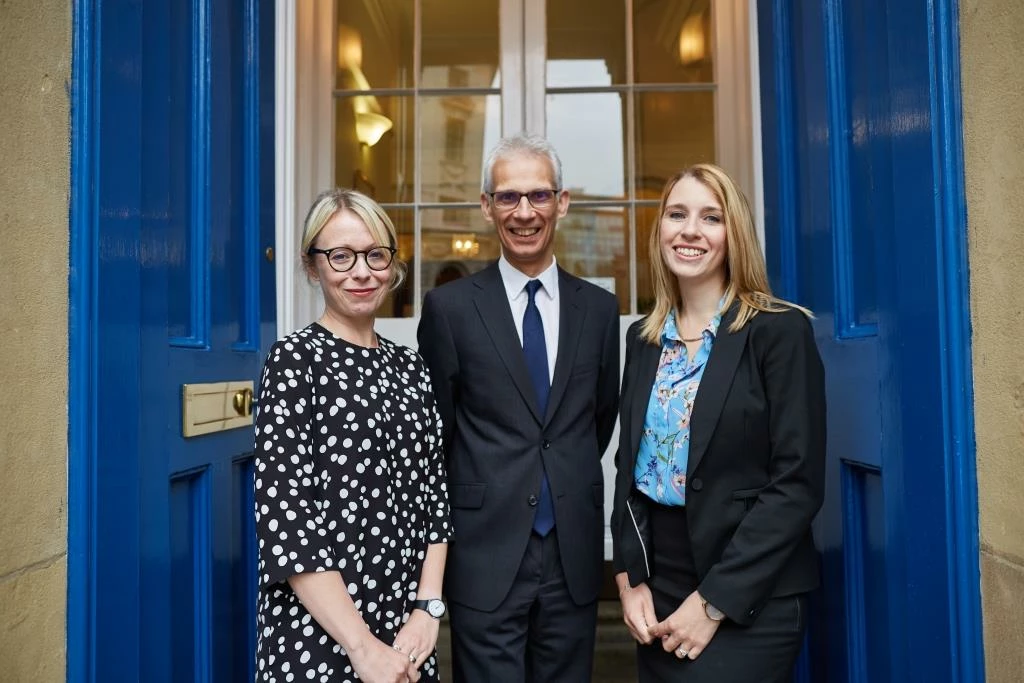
[418,637]
[638,612]
[688,629]
[375,662]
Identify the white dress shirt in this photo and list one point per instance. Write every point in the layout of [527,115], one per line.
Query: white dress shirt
[546,299]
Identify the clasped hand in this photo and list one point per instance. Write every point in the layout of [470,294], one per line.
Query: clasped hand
[401,662]
[688,629]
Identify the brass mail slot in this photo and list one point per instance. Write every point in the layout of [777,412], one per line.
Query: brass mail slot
[215,407]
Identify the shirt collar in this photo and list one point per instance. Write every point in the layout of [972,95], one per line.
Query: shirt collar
[515,280]
[669,331]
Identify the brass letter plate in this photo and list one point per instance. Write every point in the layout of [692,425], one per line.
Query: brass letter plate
[215,407]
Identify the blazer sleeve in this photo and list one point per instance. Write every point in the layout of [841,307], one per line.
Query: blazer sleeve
[606,411]
[623,459]
[794,384]
[437,347]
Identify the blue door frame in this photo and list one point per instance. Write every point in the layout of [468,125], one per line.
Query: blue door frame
[866,223]
[171,209]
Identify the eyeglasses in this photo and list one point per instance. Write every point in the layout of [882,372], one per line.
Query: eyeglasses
[343,259]
[509,199]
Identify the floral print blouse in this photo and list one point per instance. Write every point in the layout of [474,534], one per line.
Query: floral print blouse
[665,442]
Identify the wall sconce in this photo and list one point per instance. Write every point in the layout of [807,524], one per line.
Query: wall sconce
[465,245]
[691,40]
[371,124]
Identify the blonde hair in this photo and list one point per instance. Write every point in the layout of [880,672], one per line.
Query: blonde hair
[745,272]
[329,203]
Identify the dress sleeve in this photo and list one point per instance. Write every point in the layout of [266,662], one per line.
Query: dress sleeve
[439,529]
[291,532]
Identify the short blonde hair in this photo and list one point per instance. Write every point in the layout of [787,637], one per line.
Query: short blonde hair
[327,205]
[745,272]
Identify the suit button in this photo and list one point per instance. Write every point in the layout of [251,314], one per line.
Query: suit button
[546,445]
[532,500]
[696,484]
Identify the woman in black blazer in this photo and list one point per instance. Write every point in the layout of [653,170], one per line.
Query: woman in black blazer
[717,487]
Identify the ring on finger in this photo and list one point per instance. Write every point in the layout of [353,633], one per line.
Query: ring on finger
[412,657]
[681,653]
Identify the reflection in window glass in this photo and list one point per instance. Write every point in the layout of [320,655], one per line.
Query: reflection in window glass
[458,130]
[672,41]
[456,241]
[374,49]
[398,304]
[383,170]
[586,43]
[674,130]
[593,243]
[459,33]
[647,220]
[589,132]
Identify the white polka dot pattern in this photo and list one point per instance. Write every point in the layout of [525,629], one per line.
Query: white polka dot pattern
[349,477]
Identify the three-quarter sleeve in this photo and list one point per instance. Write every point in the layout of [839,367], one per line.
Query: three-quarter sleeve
[439,529]
[292,535]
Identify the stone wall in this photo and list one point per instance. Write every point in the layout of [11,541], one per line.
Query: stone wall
[35,51]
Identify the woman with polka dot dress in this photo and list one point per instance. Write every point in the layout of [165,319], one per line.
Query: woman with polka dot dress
[352,514]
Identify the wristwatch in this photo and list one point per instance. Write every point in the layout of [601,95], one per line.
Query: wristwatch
[712,612]
[434,607]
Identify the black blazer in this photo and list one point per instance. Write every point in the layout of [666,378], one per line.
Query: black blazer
[496,439]
[755,476]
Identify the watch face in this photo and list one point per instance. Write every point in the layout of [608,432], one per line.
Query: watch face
[435,608]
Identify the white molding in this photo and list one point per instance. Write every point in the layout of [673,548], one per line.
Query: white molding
[284,163]
[756,151]
[510,31]
[535,66]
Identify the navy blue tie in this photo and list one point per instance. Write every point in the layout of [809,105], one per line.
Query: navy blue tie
[536,351]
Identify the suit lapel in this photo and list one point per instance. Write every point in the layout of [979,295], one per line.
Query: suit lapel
[714,386]
[492,304]
[646,368]
[571,314]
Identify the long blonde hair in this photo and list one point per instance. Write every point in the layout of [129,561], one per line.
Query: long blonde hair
[745,272]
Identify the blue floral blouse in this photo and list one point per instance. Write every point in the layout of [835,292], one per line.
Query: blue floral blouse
[665,442]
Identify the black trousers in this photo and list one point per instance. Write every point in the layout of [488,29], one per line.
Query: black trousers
[763,652]
[537,634]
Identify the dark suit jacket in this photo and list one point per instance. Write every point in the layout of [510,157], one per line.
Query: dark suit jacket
[497,442]
[755,476]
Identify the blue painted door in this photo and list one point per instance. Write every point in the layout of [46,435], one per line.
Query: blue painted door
[854,155]
[183,152]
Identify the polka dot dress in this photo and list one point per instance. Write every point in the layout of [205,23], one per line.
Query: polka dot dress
[349,477]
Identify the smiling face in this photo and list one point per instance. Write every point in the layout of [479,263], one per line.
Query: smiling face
[355,295]
[693,234]
[527,233]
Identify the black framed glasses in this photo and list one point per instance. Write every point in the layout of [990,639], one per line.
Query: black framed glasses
[509,199]
[343,259]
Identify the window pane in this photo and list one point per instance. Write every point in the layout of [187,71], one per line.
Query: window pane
[456,242]
[586,43]
[646,221]
[384,169]
[398,304]
[462,34]
[589,133]
[672,41]
[457,131]
[673,131]
[374,48]
[593,243]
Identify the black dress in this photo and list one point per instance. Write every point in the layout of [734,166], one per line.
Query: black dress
[349,477]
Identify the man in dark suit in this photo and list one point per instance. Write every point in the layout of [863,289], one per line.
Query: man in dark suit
[525,364]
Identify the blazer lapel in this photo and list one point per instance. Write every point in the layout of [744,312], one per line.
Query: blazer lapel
[492,304]
[571,315]
[714,386]
[646,368]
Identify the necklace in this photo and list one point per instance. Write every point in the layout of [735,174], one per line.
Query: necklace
[695,339]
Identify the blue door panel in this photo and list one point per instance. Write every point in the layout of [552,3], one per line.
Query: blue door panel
[856,172]
[185,295]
